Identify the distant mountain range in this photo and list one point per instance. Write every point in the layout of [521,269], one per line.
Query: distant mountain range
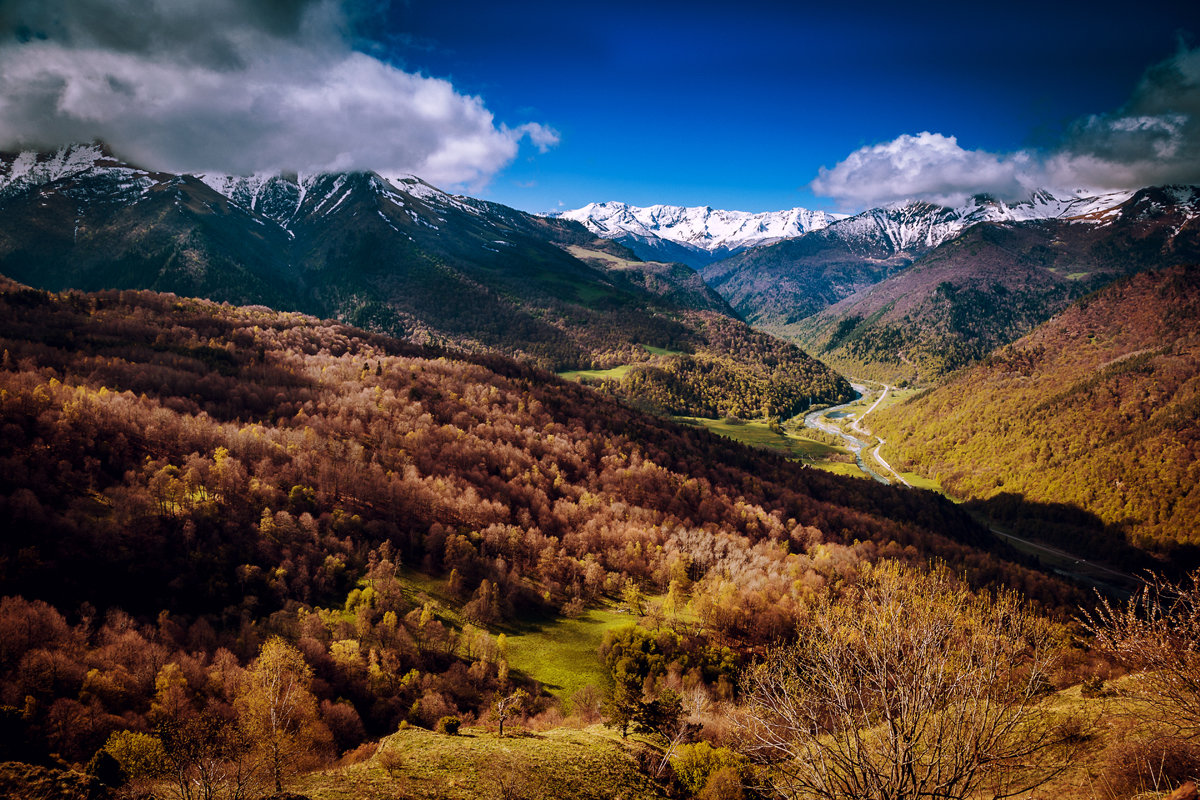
[992,283]
[393,255]
[693,236]
[701,235]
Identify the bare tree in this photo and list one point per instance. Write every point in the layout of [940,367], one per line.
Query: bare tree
[1157,634]
[909,686]
[208,758]
[508,705]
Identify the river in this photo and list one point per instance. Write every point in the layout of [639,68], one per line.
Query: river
[814,420]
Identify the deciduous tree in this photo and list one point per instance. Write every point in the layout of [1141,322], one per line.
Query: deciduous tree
[509,704]
[1157,634]
[911,686]
[277,708]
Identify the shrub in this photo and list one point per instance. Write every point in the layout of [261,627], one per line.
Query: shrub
[695,764]
[449,725]
[139,754]
[391,759]
[724,784]
[1149,765]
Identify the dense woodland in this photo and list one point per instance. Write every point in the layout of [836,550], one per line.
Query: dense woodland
[1086,431]
[738,373]
[183,481]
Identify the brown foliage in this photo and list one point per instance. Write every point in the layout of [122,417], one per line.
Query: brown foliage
[268,474]
[1152,765]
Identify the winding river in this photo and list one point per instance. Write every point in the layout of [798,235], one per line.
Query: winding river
[816,421]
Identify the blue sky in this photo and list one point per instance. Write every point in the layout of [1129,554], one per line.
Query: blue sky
[737,104]
[543,105]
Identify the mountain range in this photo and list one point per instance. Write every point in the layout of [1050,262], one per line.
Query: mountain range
[394,255]
[993,283]
[798,277]
[693,236]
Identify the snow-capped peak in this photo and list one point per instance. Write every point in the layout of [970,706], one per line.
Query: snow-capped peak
[30,168]
[701,228]
[907,226]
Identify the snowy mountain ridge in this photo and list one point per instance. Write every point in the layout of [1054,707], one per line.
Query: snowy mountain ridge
[90,171]
[922,225]
[29,169]
[702,235]
[696,236]
[704,232]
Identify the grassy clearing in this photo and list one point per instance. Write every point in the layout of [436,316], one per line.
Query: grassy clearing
[841,468]
[616,374]
[609,260]
[561,654]
[757,433]
[416,764]
[920,482]
[1075,276]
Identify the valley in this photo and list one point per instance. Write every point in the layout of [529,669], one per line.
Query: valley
[645,401]
[553,529]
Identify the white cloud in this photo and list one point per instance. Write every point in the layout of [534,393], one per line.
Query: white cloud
[242,88]
[928,166]
[542,137]
[1153,139]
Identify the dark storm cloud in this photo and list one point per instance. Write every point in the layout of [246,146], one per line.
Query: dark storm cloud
[1154,138]
[211,33]
[236,86]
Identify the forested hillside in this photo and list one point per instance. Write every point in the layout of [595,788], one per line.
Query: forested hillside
[1098,409]
[993,284]
[183,480]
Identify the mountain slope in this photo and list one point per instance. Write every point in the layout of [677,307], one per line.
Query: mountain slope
[994,283]
[693,236]
[266,473]
[1098,408]
[398,256]
[786,282]
[77,218]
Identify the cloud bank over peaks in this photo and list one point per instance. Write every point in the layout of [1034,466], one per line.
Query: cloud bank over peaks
[237,86]
[1153,139]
